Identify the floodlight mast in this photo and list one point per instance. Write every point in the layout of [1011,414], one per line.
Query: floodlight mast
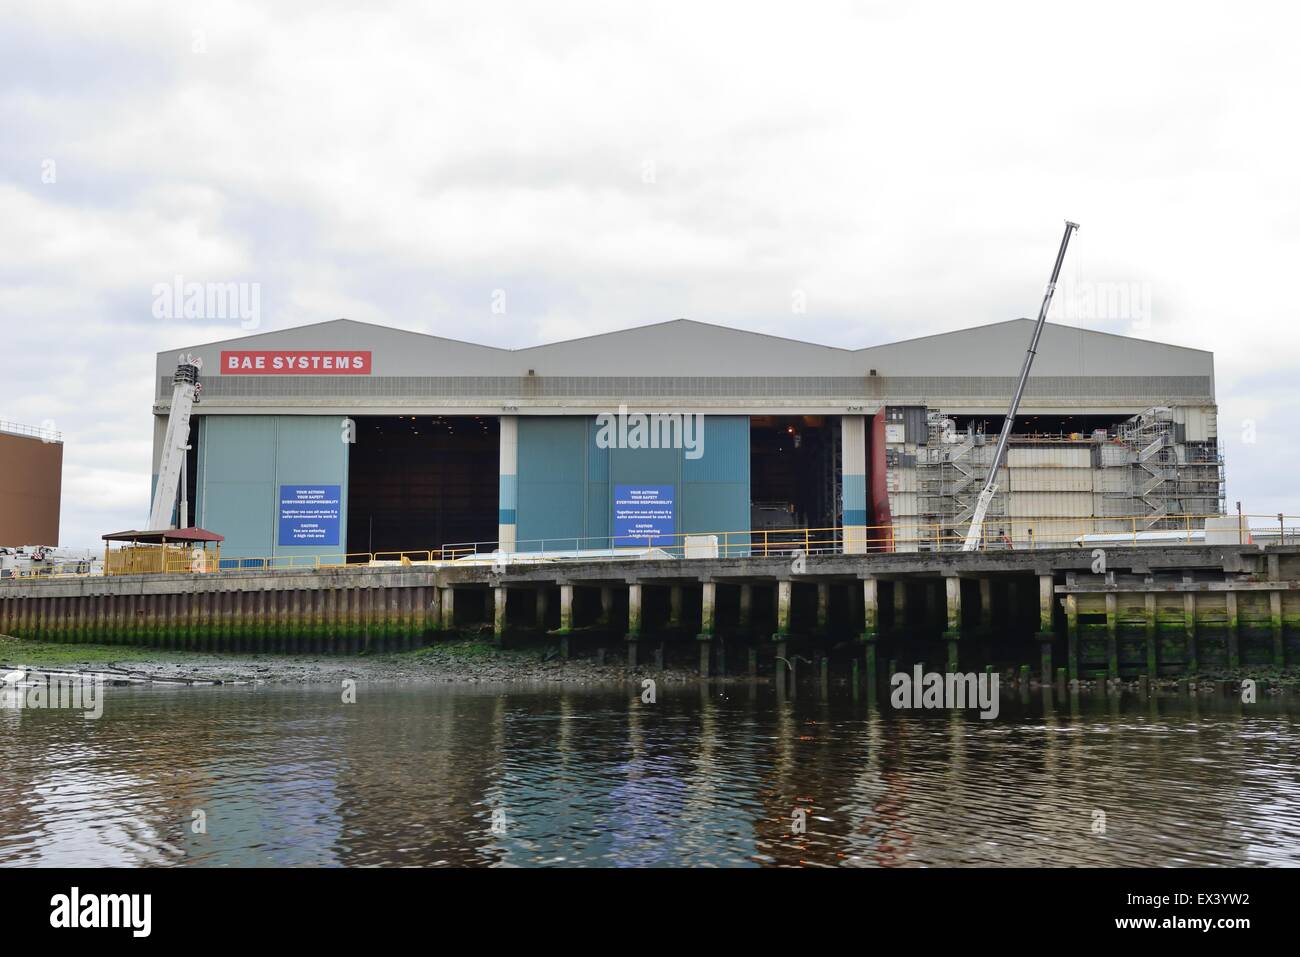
[976,530]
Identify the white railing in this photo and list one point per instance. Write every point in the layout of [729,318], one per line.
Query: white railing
[35,431]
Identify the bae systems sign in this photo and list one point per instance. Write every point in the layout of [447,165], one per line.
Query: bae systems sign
[295,362]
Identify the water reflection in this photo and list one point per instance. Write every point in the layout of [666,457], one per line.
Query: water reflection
[708,775]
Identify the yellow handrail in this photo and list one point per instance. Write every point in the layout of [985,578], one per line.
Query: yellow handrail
[1000,532]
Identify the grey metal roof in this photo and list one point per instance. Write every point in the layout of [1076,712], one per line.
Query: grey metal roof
[687,348]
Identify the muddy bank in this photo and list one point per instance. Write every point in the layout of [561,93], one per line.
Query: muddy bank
[463,661]
[477,660]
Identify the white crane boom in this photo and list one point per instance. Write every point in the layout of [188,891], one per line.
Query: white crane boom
[976,529]
[185,387]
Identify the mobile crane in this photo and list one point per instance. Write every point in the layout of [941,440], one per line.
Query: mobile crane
[171,467]
[976,530]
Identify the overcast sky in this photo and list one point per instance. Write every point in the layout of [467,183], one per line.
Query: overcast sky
[901,168]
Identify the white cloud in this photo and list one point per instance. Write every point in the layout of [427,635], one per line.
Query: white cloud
[904,167]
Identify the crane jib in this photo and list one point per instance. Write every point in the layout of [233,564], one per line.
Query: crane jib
[976,529]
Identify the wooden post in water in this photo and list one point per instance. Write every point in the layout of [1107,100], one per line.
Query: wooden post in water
[1275,622]
[566,617]
[633,621]
[448,609]
[1112,636]
[540,597]
[1152,637]
[823,607]
[566,607]
[606,606]
[1234,633]
[870,608]
[900,606]
[1189,628]
[499,615]
[708,602]
[675,606]
[1072,636]
[952,634]
[784,592]
[1046,630]
[330,631]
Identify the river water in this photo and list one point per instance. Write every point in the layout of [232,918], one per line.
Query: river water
[442,775]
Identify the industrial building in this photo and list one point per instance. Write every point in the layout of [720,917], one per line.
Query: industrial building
[31,485]
[346,437]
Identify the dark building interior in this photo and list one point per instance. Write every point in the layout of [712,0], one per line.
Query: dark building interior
[420,482]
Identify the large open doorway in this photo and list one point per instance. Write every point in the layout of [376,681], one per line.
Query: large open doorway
[1048,426]
[420,482]
[794,471]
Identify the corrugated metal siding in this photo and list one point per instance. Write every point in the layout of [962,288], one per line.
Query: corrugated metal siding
[1056,456]
[597,458]
[1050,480]
[237,497]
[310,451]
[566,481]
[1107,505]
[1110,480]
[902,505]
[901,480]
[599,505]
[726,451]
[713,508]
[243,460]
[1049,504]
[715,487]
[911,388]
[551,479]
[645,466]
[1197,422]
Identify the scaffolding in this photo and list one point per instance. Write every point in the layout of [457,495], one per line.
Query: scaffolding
[951,470]
[1169,475]
[1144,466]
